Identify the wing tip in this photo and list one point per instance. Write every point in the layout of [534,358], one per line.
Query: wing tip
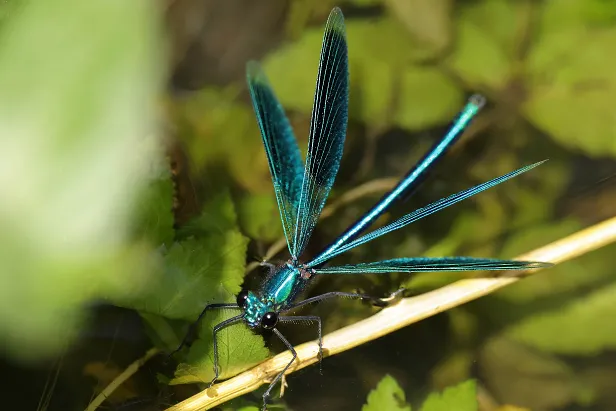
[335,22]
[477,100]
[255,73]
[533,165]
[533,265]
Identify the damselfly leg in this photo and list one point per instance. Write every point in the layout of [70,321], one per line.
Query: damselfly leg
[266,394]
[190,334]
[217,328]
[310,319]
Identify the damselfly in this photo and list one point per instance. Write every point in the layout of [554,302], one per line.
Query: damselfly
[301,192]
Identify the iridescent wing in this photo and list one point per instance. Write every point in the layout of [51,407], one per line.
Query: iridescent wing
[283,155]
[421,213]
[327,129]
[411,180]
[414,265]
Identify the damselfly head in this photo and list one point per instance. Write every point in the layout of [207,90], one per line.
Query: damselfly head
[256,309]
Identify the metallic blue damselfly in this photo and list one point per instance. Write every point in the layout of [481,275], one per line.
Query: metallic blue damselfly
[301,192]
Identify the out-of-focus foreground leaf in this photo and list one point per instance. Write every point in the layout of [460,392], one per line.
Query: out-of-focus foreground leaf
[153,208]
[205,266]
[78,82]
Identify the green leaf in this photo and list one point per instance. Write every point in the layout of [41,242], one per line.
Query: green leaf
[386,396]
[461,397]
[584,326]
[238,348]
[571,85]
[76,116]
[204,268]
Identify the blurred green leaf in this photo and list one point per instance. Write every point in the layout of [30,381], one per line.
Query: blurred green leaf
[7,10]
[385,39]
[428,21]
[206,265]
[462,397]
[386,87]
[77,106]
[502,21]
[222,133]
[217,216]
[238,347]
[571,85]
[568,278]
[519,375]
[386,396]
[426,98]
[259,217]
[165,334]
[584,326]
[204,268]
[567,14]
[153,211]
[478,59]
[453,368]
[365,3]
[534,201]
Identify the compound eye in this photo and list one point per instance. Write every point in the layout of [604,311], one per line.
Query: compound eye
[242,299]
[269,320]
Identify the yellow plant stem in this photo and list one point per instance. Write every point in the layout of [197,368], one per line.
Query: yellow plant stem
[390,319]
[120,379]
